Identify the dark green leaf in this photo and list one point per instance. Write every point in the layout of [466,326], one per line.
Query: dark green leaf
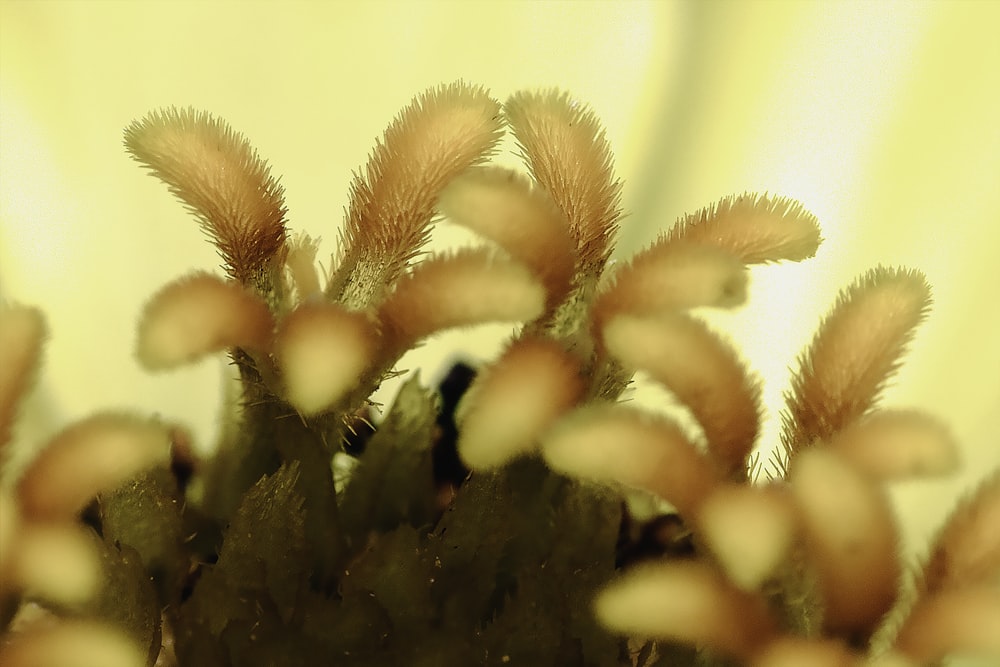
[354,625]
[260,573]
[393,483]
[145,514]
[127,598]
[398,574]
[264,547]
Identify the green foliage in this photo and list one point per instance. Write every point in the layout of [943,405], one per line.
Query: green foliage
[394,480]
[259,574]
[502,575]
[145,514]
[127,597]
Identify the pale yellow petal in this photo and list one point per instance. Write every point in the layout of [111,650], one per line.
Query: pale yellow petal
[72,643]
[749,530]
[851,538]
[967,550]
[799,652]
[322,351]
[964,621]
[462,289]
[57,562]
[439,134]
[197,315]
[755,228]
[857,349]
[564,145]
[616,444]
[667,277]
[703,371]
[93,455]
[221,179]
[893,444]
[687,602]
[504,207]
[515,399]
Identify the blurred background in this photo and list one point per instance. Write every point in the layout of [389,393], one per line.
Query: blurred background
[881,117]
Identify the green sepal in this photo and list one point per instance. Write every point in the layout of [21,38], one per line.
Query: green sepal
[393,482]
[519,555]
[260,571]
[397,572]
[468,544]
[547,617]
[145,514]
[354,624]
[264,643]
[264,547]
[127,598]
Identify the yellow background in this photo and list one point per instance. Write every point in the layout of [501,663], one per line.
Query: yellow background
[881,117]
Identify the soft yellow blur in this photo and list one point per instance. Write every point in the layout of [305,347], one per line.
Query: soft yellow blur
[880,117]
